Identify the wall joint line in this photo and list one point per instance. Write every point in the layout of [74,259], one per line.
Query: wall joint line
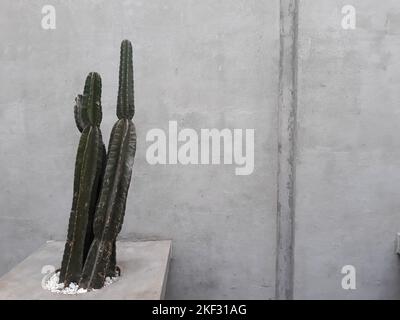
[287,128]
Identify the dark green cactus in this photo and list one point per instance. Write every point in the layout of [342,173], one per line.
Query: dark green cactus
[110,209]
[125,102]
[79,109]
[81,122]
[89,168]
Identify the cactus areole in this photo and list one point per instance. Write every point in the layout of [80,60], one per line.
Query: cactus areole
[101,181]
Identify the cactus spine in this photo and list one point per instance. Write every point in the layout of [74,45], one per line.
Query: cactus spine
[110,209]
[89,168]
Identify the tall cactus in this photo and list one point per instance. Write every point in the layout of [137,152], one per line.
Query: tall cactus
[81,122]
[89,167]
[110,209]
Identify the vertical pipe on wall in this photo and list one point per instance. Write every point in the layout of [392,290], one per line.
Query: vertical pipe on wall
[287,110]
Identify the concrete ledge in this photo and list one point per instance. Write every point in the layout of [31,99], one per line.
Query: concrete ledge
[144,270]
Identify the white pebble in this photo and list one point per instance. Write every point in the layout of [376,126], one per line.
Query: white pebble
[52,284]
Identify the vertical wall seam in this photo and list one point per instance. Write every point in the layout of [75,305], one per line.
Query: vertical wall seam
[287,131]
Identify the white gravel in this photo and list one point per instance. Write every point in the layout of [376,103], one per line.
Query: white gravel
[52,285]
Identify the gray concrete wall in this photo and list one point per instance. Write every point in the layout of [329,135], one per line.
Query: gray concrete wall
[205,64]
[348,177]
[216,64]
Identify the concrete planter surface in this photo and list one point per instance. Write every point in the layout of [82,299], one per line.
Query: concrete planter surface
[144,271]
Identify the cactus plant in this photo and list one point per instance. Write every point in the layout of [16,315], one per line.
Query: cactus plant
[89,167]
[81,123]
[110,209]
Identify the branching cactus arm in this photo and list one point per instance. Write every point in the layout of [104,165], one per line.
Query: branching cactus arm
[79,113]
[125,101]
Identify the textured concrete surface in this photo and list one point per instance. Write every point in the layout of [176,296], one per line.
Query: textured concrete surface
[348,177]
[144,271]
[215,64]
[287,119]
[205,64]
